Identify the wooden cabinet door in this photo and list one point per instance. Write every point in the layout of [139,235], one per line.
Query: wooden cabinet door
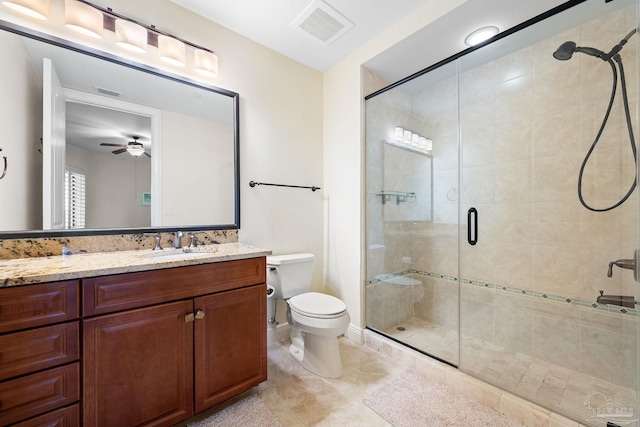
[35,394]
[36,349]
[138,367]
[65,417]
[23,307]
[230,344]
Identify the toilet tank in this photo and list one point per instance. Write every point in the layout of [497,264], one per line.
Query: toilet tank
[290,275]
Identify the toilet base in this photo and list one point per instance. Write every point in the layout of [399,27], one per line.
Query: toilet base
[317,354]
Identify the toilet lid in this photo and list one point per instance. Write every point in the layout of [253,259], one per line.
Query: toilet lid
[314,304]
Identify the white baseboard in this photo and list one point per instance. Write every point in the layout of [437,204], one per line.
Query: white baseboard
[279,333]
[355,333]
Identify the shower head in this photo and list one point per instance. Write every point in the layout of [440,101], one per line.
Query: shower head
[565,51]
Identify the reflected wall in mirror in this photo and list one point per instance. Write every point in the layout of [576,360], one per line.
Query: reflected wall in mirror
[185,135]
[407,184]
[115,181]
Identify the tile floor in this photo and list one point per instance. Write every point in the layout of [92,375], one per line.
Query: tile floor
[298,398]
[550,385]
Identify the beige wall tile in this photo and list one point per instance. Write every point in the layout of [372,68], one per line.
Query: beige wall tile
[527,121]
[557,341]
[609,354]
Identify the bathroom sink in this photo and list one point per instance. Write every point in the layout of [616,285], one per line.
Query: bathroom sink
[177,255]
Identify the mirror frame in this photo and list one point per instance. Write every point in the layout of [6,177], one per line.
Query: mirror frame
[66,44]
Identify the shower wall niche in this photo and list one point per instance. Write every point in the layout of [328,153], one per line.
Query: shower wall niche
[510,126]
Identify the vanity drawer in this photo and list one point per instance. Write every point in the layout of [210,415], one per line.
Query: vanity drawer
[65,417]
[37,349]
[36,394]
[108,294]
[28,306]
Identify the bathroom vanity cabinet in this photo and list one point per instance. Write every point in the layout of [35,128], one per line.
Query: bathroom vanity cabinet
[39,355]
[157,346]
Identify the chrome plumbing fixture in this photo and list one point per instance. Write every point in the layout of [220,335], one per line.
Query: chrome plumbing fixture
[156,236]
[629,264]
[177,239]
[621,300]
[192,238]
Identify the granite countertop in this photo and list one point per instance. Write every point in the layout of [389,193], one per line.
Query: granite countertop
[26,271]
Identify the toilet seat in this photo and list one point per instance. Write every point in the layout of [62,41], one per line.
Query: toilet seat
[317,305]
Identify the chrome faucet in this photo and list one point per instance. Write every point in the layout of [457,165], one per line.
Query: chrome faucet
[177,239]
[192,238]
[156,237]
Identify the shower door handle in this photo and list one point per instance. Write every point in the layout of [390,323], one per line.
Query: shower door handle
[472,227]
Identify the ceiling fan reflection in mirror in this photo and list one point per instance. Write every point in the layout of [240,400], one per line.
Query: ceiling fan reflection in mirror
[134,147]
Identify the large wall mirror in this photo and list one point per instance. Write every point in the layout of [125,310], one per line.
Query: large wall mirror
[98,145]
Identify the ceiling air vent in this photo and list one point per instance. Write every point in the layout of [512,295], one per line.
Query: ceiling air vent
[322,23]
[107,91]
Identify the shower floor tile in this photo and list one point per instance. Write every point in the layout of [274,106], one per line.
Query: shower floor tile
[550,385]
[441,342]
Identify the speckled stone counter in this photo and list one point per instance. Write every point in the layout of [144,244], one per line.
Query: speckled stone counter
[47,246]
[25,271]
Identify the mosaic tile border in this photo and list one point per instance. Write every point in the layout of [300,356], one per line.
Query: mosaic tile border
[608,308]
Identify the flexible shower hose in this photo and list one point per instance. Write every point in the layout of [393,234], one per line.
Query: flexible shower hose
[625,100]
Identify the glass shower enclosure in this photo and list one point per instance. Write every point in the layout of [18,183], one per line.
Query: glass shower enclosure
[501,214]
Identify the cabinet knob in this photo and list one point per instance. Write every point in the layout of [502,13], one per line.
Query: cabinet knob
[199,314]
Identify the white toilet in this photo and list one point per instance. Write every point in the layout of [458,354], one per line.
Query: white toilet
[316,320]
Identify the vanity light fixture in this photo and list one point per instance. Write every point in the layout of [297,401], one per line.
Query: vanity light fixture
[84,19]
[206,62]
[426,143]
[88,18]
[38,9]
[407,136]
[413,141]
[480,35]
[131,36]
[172,51]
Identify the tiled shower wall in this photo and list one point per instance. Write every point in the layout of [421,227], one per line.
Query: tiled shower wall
[526,122]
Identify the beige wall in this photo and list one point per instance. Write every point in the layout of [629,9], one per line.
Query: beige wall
[203,146]
[298,126]
[281,122]
[343,138]
[114,187]
[24,162]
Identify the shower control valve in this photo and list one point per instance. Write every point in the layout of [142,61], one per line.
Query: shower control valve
[629,264]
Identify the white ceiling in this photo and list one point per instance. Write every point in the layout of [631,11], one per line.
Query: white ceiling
[268,23]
